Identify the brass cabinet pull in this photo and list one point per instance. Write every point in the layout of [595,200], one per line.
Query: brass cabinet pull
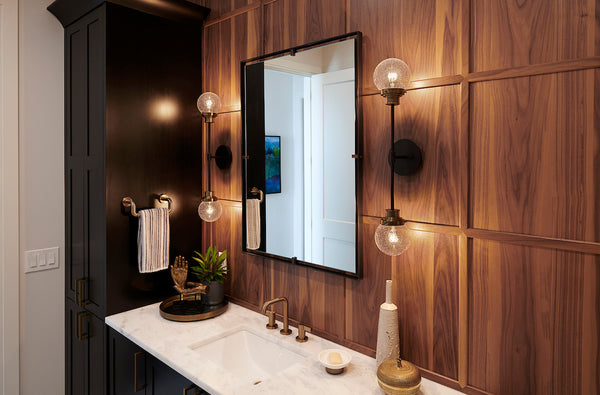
[192,387]
[136,387]
[79,299]
[79,331]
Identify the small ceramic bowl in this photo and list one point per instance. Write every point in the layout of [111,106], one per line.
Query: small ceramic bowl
[334,368]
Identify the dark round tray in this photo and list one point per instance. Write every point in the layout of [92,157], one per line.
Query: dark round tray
[190,308]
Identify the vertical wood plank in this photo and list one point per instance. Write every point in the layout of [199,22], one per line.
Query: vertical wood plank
[510,33]
[530,319]
[364,296]
[226,130]
[316,298]
[426,292]
[246,278]
[228,43]
[422,33]
[430,118]
[219,8]
[534,151]
[289,23]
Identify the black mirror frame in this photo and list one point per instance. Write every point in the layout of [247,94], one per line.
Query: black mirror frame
[358,135]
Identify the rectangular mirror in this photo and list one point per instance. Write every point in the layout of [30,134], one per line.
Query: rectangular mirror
[300,141]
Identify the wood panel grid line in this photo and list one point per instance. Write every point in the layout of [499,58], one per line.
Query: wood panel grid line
[463,257]
[591,62]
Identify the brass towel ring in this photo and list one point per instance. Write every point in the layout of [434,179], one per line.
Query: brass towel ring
[256,190]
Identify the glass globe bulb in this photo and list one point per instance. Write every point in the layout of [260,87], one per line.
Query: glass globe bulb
[392,240]
[391,73]
[210,211]
[209,103]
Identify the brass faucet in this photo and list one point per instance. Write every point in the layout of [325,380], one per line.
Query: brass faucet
[302,329]
[271,314]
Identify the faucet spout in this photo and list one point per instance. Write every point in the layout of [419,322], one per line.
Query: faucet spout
[286,329]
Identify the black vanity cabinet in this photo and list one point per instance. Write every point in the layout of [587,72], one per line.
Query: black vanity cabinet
[132,77]
[85,351]
[134,371]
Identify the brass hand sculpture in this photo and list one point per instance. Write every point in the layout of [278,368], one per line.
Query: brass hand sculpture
[179,272]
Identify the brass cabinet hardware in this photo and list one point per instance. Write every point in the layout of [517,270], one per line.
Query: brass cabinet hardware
[79,317]
[136,387]
[246,157]
[356,156]
[80,300]
[302,329]
[192,387]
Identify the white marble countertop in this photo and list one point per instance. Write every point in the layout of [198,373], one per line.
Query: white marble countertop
[172,342]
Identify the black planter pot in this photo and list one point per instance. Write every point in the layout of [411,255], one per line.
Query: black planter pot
[216,293]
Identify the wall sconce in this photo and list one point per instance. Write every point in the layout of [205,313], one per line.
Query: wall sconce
[391,77]
[210,208]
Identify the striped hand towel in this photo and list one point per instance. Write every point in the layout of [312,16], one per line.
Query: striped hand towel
[252,224]
[153,240]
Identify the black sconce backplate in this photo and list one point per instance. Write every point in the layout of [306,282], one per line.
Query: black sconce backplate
[223,157]
[408,157]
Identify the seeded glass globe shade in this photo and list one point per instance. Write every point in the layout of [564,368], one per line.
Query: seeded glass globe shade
[210,211]
[392,240]
[209,103]
[390,74]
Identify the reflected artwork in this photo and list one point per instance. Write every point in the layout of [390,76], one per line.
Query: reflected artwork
[273,164]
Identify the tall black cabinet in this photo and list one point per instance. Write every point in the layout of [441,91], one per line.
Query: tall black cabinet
[132,76]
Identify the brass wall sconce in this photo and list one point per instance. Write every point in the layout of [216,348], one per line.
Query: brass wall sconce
[210,208]
[391,77]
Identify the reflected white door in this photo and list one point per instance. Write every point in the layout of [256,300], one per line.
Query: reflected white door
[333,208]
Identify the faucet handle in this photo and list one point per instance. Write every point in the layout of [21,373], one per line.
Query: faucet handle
[302,329]
[271,324]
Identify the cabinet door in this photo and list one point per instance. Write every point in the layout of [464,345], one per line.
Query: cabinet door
[162,380]
[85,352]
[85,209]
[76,350]
[127,365]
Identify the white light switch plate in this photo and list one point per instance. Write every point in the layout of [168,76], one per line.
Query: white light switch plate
[45,259]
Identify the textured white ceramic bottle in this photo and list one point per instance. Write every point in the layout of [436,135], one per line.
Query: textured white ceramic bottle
[387,333]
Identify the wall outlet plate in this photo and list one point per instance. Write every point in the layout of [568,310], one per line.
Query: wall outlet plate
[44,259]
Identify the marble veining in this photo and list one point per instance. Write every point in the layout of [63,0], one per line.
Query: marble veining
[175,344]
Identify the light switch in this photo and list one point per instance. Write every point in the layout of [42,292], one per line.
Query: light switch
[31,259]
[37,260]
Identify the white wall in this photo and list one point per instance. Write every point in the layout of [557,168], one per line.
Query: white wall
[9,197]
[41,114]
[284,117]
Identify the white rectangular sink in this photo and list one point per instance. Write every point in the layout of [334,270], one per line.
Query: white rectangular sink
[249,357]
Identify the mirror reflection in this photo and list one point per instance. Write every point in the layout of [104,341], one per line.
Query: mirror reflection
[300,144]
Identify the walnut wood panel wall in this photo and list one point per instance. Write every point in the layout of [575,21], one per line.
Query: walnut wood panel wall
[500,290]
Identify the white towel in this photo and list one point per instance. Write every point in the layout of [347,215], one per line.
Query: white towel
[153,240]
[252,224]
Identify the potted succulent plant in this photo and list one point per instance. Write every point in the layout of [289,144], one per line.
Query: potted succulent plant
[211,269]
